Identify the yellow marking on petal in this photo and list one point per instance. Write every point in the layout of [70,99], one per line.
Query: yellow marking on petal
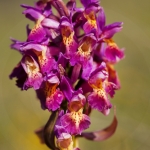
[85,48]
[96,84]
[41,56]
[111,70]
[61,70]
[101,93]
[50,89]
[37,25]
[91,19]
[111,43]
[31,67]
[77,117]
[67,35]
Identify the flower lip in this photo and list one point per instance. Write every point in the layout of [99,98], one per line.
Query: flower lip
[75,122]
[99,100]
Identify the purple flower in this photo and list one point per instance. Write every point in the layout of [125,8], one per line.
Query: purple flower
[91,19]
[43,53]
[75,121]
[111,53]
[68,36]
[38,33]
[86,3]
[50,95]
[84,50]
[98,99]
[83,56]
[32,70]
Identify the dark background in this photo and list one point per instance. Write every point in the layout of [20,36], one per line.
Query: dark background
[20,112]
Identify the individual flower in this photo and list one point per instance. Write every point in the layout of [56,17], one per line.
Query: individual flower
[83,55]
[111,53]
[32,70]
[49,94]
[90,13]
[98,99]
[38,33]
[68,36]
[84,50]
[44,54]
[74,121]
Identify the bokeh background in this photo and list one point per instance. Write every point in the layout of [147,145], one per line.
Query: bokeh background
[20,112]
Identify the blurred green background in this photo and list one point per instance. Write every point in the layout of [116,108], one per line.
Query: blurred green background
[20,112]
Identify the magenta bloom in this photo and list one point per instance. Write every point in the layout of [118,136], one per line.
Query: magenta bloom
[74,121]
[32,70]
[98,99]
[68,35]
[50,95]
[111,53]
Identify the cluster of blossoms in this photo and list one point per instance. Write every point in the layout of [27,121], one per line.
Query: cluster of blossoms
[68,59]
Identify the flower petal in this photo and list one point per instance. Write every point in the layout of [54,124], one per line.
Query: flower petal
[31,67]
[65,86]
[113,76]
[38,33]
[53,102]
[85,3]
[98,75]
[101,19]
[32,13]
[75,122]
[113,54]
[110,30]
[50,23]
[34,46]
[99,100]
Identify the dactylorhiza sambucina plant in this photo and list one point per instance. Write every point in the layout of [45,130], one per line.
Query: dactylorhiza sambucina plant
[68,59]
